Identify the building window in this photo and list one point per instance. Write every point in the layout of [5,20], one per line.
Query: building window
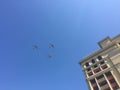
[108,74]
[102,62]
[93,61]
[104,66]
[107,88]
[95,66]
[115,88]
[101,76]
[99,57]
[92,81]
[87,64]
[97,70]
[94,85]
[95,88]
[88,69]
[90,73]
[103,83]
[112,80]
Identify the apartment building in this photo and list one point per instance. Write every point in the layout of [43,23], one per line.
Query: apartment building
[102,67]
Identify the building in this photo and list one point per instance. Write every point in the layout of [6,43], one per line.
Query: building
[102,67]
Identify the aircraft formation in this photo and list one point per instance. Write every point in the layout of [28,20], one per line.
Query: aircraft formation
[51,46]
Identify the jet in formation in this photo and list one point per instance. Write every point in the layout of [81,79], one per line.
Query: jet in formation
[36,46]
[52,45]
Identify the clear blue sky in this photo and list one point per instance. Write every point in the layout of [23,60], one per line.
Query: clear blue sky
[74,26]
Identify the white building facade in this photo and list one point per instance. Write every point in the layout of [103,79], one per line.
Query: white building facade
[102,68]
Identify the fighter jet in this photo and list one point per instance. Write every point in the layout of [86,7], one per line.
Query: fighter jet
[49,56]
[51,45]
[36,46]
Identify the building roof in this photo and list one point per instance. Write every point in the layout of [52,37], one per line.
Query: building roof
[97,52]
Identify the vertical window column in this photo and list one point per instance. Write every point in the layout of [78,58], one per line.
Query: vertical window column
[89,72]
[115,80]
[108,81]
[91,88]
[112,80]
[97,83]
[94,84]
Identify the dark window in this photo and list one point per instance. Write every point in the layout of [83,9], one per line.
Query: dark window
[102,62]
[112,80]
[95,66]
[92,81]
[96,88]
[104,66]
[103,83]
[97,70]
[100,77]
[87,64]
[107,88]
[99,57]
[115,88]
[88,69]
[108,74]
[90,73]
[93,61]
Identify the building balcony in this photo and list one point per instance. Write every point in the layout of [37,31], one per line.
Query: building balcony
[110,77]
[114,84]
[90,73]
[108,88]
[102,79]
[104,86]
[104,66]
[94,85]
[97,70]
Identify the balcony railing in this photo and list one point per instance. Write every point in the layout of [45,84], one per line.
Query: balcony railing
[90,73]
[102,79]
[104,66]
[104,86]
[97,70]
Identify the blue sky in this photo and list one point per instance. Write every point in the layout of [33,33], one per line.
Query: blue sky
[74,26]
